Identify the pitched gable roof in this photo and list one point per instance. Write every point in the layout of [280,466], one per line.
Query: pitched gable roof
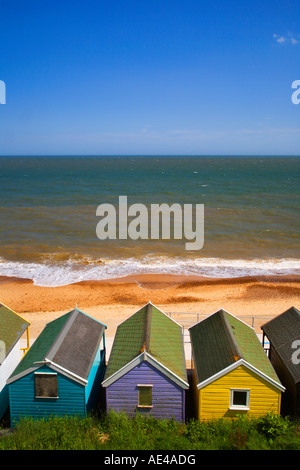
[12,327]
[282,331]
[150,335]
[68,343]
[221,342]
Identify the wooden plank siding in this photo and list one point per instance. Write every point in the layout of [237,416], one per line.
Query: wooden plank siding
[214,399]
[168,399]
[195,391]
[6,368]
[93,387]
[289,398]
[72,348]
[71,398]
[297,411]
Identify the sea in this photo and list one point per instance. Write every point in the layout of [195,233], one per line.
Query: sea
[48,216]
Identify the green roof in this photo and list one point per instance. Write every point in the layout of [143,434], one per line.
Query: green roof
[12,327]
[152,331]
[221,340]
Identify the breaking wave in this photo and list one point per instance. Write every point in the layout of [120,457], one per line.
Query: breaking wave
[53,272]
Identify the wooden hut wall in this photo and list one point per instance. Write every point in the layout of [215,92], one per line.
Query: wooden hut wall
[168,398]
[23,401]
[289,397]
[6,368]
[93,387]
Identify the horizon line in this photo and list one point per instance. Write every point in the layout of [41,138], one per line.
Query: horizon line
[149,155]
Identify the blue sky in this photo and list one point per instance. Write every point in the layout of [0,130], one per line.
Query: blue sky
[149,77]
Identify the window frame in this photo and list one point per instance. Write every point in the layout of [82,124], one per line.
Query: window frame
[232,406]
[43,397]
[140,386]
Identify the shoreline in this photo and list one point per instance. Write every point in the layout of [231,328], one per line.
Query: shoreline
[164,278]
[112,301]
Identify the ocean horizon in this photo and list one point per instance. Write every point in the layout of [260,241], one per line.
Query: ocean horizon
[48,216]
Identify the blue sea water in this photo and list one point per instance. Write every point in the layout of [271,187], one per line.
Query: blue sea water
[48,215]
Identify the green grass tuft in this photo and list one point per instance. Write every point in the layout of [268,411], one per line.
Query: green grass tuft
[117,431]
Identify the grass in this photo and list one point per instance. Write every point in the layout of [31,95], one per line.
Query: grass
[119,432]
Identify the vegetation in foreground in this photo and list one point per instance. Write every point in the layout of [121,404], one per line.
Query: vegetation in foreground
[119,432]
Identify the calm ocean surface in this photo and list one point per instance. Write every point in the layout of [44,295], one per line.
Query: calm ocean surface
[48,216]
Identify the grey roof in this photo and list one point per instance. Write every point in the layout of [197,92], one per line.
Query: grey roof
[77,345]
[282,331]
[69,342]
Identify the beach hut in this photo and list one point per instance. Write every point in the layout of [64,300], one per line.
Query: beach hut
[61,373]
[231,372]
[13,329]
[146,371]
[283,333]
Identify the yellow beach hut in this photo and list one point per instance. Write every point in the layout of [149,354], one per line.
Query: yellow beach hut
[231,372]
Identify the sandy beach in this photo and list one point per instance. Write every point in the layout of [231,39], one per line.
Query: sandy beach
[113,301]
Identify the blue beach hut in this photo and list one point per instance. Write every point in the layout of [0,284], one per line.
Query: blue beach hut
[62,372]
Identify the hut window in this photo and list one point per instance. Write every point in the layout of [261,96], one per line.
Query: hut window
[145,395]
[46,386]
[239,399]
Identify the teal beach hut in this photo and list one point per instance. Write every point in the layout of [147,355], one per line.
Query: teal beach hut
[61,373]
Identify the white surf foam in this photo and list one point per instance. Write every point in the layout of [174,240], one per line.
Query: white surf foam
[58,274]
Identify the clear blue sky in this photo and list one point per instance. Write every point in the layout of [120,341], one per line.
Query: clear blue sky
[149,77]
